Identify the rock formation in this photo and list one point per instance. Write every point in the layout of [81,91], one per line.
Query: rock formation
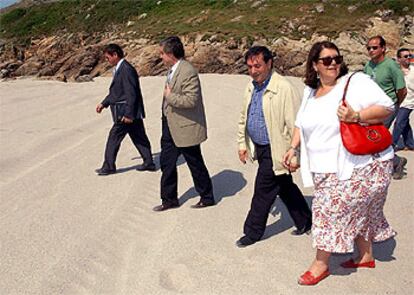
[78,57]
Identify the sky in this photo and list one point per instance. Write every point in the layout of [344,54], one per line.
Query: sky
[5,3]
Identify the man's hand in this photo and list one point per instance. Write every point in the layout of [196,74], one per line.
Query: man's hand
[401,94]
[126,120]
[99,108]
[243,156]
[167,90]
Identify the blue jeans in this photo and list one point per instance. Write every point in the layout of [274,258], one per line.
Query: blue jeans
[390,119]
[402,127]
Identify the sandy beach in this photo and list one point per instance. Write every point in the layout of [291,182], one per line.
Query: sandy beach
[65,230]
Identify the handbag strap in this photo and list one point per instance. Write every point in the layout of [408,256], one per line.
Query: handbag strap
[346,87]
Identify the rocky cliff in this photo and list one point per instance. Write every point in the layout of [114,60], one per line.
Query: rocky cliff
[78,56]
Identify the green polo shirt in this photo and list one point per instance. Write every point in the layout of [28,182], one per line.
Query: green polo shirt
[388,75]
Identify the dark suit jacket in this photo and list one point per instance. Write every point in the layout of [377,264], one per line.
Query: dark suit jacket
[185,109]
[125,87]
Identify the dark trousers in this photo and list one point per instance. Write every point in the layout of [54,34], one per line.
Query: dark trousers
[390,119]
[136,132]
[169,178]
[388,122]
[267,187]
[402,127]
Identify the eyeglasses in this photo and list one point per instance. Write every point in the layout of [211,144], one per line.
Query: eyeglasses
[372,47]
[406,56]
[327,61]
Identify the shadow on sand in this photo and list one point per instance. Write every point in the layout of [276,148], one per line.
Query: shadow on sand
[383,251]
[285,221]
[226,183]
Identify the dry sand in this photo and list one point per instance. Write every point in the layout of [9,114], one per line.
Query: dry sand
[64,230]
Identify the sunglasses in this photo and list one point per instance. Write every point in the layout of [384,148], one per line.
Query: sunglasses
[406,56]
[327,61]
[372,47]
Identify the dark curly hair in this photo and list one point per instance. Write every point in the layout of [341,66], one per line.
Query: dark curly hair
[311,77]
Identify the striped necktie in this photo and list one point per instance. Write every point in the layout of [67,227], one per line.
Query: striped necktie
[169,75]
[167,82]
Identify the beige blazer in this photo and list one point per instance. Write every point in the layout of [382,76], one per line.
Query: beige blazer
[185,110]
[281,101]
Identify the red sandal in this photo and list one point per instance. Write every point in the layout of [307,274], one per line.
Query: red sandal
[351,264]
[308,279]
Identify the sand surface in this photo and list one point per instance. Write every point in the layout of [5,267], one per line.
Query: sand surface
[64,230]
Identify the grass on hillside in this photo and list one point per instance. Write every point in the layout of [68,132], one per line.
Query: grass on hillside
[223,17]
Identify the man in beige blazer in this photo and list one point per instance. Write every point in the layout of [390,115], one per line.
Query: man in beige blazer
[265,130]
[184,127]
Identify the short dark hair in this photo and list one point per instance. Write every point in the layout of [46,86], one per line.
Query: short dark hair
[311,77]
[114,49]
[401,50]
[381,40]
[173,45]
[256,50]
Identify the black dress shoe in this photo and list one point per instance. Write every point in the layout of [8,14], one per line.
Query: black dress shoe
[103,172]
[201,204]
[245,241]
[299,232]
[147,167]
[164,207]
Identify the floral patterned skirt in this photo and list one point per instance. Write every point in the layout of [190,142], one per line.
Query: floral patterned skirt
[345,209]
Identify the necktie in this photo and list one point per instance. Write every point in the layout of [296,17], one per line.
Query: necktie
[164,101]
[169,75]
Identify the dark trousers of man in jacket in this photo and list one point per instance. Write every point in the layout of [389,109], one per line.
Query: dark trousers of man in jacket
[136,132]
[267,187]
[169,179]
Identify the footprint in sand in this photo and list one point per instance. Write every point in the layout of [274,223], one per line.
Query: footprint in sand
[176,278]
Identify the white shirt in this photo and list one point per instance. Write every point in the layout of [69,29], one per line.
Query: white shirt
[408,102]
[322,150]
[118,65]
[171,72]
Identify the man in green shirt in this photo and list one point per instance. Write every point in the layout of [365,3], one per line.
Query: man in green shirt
[388,75]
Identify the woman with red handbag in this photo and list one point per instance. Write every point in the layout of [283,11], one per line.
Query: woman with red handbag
[350,189]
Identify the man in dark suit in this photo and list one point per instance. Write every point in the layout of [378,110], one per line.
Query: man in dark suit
[184,127]
[127,108]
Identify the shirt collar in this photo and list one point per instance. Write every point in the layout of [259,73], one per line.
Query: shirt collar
[174,67]
[118,64]
[258,87]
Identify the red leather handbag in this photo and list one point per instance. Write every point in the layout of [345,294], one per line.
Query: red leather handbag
[363,139]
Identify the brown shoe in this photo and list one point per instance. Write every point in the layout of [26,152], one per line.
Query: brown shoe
[201,204]
[104,172]
[399,170]
[164,207]
[146,167]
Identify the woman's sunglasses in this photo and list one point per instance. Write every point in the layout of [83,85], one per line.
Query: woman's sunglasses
[327,61]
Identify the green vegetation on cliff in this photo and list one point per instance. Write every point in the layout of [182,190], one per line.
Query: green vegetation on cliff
[155,19]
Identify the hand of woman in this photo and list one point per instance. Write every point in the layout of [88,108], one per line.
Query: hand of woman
[347,114]
[289,160]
